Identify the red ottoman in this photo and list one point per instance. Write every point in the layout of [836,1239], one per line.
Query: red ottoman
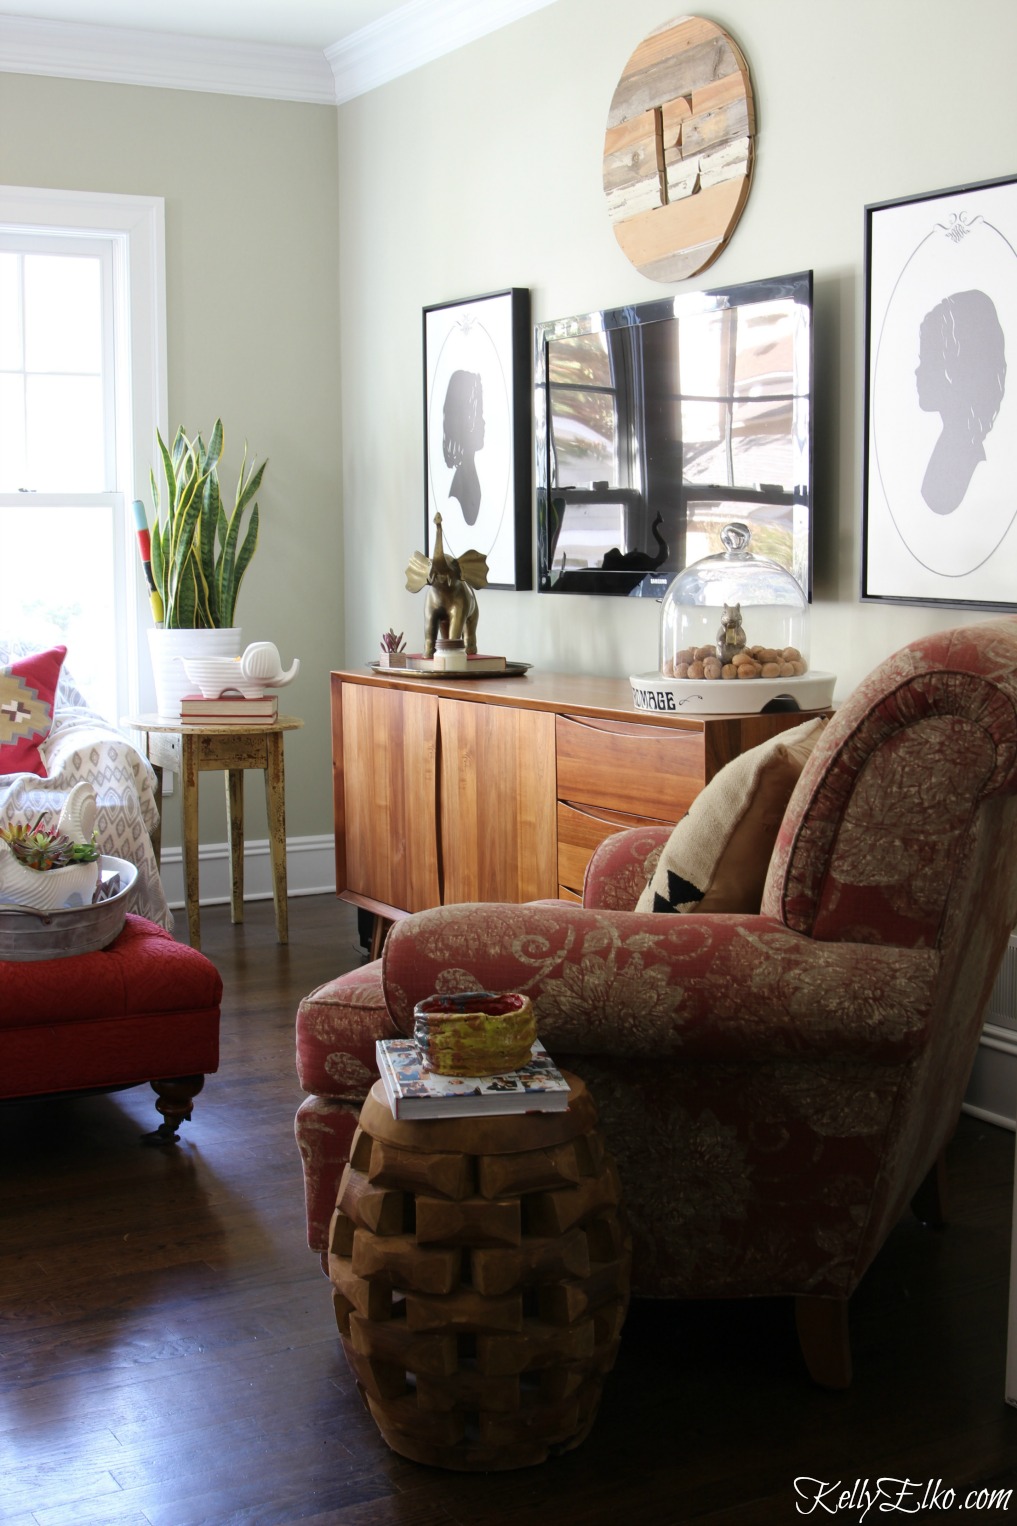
[144,1009]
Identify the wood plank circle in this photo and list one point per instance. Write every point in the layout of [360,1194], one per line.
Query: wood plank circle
[480,1308]
[678,150]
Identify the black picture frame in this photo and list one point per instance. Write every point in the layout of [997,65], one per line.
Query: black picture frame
[939,508]
[477,431]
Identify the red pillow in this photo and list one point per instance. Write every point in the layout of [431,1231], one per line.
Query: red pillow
[27,687]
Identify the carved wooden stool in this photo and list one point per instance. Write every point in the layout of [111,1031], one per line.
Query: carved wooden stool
[480,1272]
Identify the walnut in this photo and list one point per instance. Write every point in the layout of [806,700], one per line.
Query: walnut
[729,670]
[696,670]
[770,670]
[712,667]
[681,670]
[749,669]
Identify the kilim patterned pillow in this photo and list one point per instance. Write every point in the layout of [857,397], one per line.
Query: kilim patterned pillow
[717,856]
[27,687]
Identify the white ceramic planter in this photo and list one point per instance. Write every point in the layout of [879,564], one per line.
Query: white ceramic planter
[46,889]
[168,647]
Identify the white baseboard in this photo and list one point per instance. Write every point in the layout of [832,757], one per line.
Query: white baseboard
[310,870]
[992,1090]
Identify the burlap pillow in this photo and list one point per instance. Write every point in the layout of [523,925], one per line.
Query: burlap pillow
[717,856]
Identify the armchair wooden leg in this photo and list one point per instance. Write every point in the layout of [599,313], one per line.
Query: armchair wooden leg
[930,1204]
[174,1100]
[823,1336]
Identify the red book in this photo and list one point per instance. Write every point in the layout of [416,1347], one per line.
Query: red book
[229,708]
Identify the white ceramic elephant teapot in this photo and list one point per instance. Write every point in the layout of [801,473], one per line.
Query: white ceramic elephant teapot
[261,664]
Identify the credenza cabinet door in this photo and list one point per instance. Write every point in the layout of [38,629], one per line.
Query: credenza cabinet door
[389,793]
[498,803]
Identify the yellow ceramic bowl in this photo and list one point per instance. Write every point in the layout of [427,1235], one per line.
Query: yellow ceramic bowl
[474,1033]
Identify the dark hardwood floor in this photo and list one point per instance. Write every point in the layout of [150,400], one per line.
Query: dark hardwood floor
[168,1355]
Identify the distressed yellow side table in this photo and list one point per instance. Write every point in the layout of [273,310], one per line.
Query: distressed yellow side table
[191,750]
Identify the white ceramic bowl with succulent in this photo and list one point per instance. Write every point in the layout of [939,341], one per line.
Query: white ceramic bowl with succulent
[52,867]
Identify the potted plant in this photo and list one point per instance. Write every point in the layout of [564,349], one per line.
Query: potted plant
[199,555]
[44,867]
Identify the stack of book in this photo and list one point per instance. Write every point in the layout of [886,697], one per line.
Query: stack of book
[229,710]
[417,662]
[413,1091]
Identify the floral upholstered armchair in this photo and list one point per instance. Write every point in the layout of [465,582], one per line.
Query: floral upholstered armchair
[76,742]
[776,1085]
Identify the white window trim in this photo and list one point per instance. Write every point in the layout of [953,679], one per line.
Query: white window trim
[137,225]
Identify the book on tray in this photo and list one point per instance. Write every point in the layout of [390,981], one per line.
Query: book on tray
[480,662]
[415,1092]
[229,708]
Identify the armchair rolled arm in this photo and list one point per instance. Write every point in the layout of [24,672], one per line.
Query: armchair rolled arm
[621,866]
[719,988]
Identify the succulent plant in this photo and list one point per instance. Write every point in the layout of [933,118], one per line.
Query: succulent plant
[39,847]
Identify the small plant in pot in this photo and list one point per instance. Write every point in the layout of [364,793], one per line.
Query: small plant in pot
[200,552]
[44,867]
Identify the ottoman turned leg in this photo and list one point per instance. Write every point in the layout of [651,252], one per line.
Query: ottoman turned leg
[175,1101]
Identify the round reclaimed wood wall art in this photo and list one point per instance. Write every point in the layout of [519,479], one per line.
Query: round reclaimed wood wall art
[678,148]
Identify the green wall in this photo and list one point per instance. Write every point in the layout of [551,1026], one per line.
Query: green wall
[251,193]
[473,173]
[483,170]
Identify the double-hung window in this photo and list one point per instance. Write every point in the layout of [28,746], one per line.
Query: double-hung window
[82,391]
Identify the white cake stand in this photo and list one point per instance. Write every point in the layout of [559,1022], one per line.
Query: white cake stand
[729,696]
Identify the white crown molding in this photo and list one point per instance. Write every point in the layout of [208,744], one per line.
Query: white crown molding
[124,56]
[415,34]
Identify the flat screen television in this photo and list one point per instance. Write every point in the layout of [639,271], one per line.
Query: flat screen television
[658,424]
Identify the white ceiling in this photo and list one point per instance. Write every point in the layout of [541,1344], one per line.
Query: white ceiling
[295,23]
[303,50]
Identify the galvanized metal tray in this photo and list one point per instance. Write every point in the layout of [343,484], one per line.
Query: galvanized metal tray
[29,934]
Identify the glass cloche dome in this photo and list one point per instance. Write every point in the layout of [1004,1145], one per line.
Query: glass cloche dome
[734,615]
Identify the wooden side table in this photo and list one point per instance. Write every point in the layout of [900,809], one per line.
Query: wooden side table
[480,1276]
[191,750]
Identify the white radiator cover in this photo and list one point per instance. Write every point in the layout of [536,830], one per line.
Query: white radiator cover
[992,1090]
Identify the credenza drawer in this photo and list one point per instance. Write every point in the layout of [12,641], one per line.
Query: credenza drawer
[629,768]
[580,832]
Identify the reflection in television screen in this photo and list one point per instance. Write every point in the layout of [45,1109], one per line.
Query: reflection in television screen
[658,424]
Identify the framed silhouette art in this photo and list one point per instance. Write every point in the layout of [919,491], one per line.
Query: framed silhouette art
[477,434]
[940,510]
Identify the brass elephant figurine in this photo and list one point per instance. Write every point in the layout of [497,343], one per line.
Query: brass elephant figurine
[450,609]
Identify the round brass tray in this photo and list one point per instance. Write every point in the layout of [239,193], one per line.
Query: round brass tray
[510,670]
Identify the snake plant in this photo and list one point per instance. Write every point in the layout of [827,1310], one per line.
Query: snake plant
[198,557]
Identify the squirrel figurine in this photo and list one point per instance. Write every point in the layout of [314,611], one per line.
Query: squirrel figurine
[730,637]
